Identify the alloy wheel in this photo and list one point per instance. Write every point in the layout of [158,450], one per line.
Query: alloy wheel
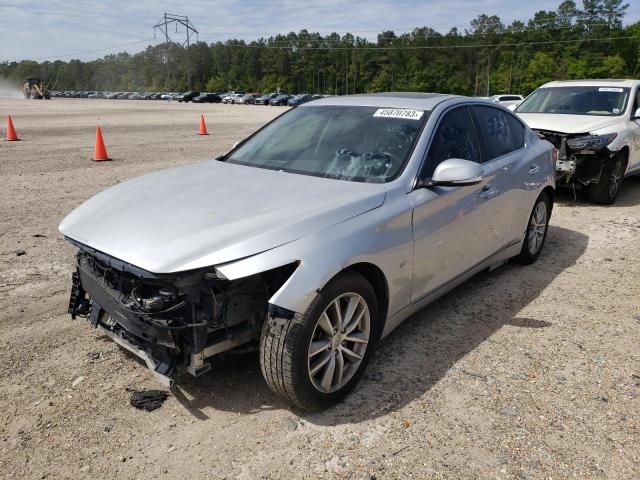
[339,342]
[537,228]
[616,178]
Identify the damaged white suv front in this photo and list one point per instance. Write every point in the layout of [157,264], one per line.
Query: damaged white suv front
[595,125]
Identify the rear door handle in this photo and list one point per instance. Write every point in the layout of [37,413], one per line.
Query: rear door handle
[487,191]
[533,169]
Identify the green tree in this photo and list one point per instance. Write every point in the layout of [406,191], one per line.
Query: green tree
[609,67]
[613,12]
[541,69]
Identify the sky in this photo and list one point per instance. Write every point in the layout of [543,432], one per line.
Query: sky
[62,29]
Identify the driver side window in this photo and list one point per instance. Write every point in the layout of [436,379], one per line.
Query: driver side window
[455,137]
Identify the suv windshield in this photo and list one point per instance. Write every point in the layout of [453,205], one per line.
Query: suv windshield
[609,101]
[363,144]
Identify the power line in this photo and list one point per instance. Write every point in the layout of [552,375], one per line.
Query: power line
[433,47]
[410,35]
[555,17]
[85,52]
[401,37]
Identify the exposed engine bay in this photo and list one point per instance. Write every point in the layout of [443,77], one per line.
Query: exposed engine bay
[174,322]
[581,157]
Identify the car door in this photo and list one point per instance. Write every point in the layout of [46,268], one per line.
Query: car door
[450,224]
[634,127]
[501,137]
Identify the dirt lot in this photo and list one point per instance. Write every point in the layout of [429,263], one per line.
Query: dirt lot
[526,372]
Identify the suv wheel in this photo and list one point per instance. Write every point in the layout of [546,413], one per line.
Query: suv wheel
[315,359]
[536,233]
[606,190]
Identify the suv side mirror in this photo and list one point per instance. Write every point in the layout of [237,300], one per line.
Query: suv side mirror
[636,115]
[457,172]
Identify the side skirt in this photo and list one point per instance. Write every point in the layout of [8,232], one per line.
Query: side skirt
[491,263]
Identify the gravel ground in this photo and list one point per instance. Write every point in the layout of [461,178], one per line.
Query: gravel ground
[525,372]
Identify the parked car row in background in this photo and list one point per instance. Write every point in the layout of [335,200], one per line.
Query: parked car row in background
[235,97]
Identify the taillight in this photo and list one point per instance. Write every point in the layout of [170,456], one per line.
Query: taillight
[554,154]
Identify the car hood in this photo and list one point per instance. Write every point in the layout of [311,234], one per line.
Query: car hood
[566,123]
[211,213]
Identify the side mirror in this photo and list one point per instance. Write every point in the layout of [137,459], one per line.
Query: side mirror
[636,115]
[457,172]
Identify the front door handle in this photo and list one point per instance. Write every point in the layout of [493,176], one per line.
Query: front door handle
[487,191]
[533,169]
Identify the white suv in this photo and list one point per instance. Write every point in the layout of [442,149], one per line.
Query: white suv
[595,125]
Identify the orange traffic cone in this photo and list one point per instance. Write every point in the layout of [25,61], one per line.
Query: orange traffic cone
[100,152]
[203,126]
[11,132]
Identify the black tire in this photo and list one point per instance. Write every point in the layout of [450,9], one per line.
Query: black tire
[527,256]
[284,346]
[606,190]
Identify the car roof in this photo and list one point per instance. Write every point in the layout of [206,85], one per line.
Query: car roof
[421,101]
[593,83]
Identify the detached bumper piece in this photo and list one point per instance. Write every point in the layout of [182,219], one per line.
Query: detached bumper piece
[173,322]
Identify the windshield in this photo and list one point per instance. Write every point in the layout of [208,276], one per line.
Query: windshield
[608,101]
[363,144]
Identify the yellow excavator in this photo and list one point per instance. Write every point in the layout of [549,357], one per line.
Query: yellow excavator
[35,88]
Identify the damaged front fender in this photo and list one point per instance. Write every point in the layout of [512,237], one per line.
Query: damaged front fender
[382,238]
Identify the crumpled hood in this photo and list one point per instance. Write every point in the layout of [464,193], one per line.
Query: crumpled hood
[211,213]
[566,123]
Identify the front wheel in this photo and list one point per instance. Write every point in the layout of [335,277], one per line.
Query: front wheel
[606,190]
[536,233]
[315,359]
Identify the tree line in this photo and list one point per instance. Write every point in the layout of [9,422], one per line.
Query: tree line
[489,57]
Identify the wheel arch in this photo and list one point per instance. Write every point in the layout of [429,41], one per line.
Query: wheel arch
[624,152]
[378,280]
[376,277]
[551,194]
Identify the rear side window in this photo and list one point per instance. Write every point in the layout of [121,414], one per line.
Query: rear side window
[499,131]
[455,137]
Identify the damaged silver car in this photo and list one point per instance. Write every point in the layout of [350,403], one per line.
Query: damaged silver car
[313,238]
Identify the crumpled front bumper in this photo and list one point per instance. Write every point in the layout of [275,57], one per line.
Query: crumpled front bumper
[155,345]
[581,166]
[205,315]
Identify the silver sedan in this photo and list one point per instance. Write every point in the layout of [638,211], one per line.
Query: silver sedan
[313,238]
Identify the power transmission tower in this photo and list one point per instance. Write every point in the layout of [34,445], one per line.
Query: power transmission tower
[163,27]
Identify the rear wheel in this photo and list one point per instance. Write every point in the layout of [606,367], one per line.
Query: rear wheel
[606,190]
[536,233]
[315,359]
